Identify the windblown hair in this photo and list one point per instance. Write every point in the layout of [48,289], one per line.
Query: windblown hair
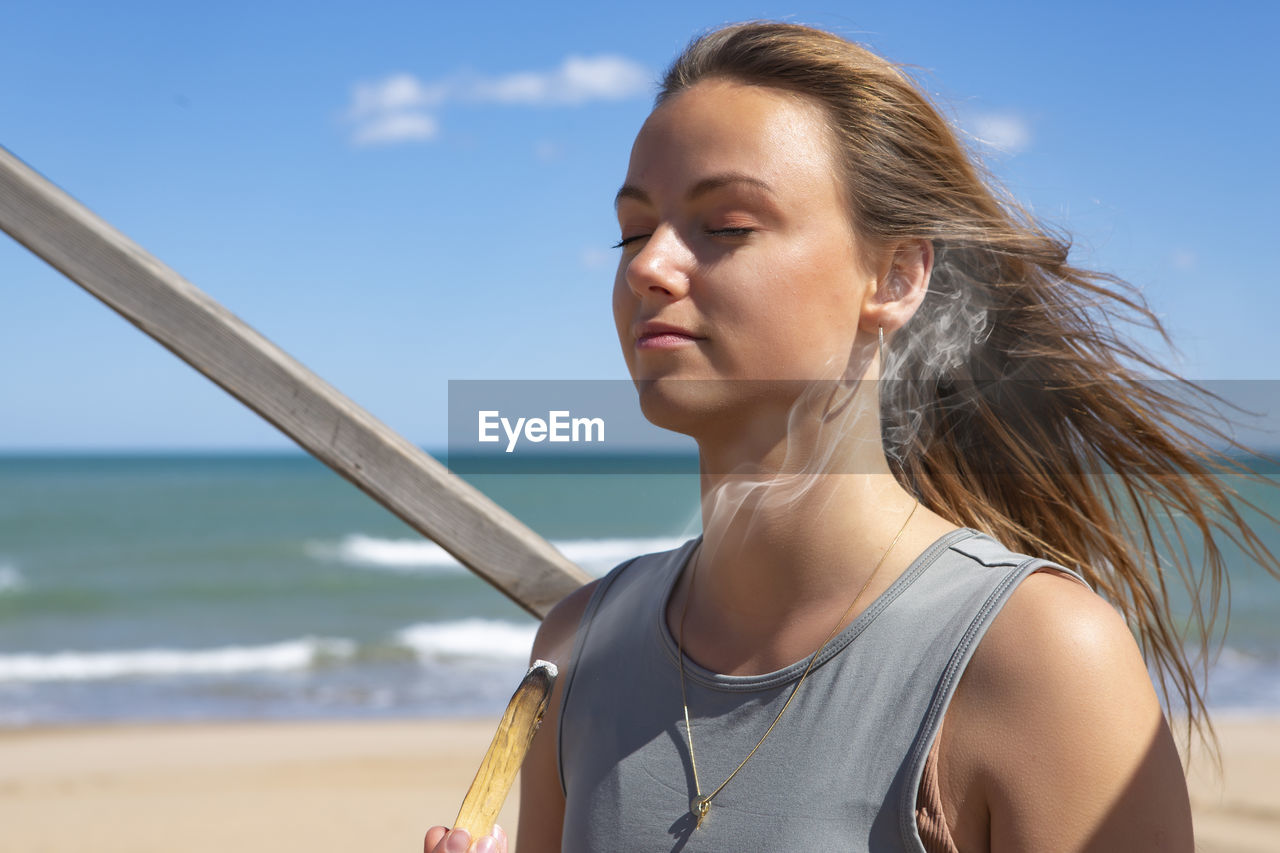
[1013,404]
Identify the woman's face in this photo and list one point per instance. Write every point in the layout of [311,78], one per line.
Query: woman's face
[738,258]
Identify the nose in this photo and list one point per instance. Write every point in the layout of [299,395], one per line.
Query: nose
[661,267]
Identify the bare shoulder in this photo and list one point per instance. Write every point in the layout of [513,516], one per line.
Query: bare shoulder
[1055,736]
[541,798]
[1053,632]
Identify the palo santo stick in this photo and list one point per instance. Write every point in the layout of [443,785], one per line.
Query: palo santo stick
[506,753]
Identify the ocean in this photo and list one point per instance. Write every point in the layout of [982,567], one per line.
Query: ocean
[261,586]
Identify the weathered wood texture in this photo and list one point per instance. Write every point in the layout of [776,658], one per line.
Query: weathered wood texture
[395,473]
[507,750]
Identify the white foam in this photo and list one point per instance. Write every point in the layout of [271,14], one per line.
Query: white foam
[400,555]
[86,666]
[11,580]
[474,639]
[596,556]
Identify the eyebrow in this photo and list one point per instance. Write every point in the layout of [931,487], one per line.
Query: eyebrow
[701,188]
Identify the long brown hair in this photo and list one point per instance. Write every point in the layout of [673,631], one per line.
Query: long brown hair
[1013,404]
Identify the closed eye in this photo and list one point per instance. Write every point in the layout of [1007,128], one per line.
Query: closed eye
[714,232]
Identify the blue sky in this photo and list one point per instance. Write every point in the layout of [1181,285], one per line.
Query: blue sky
[400,194]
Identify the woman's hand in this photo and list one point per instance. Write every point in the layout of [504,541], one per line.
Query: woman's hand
[441,839]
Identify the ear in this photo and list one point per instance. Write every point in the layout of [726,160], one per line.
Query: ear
[902,281]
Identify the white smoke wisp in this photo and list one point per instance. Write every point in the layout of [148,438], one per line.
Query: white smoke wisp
[828,429]
[937,343]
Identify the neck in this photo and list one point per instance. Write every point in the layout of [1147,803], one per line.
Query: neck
[785,550]
[793,539]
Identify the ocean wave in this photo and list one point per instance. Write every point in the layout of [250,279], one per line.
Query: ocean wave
[401,555]
[471,639]
[1244,681]
[11,580]
[297,654]
[596,556]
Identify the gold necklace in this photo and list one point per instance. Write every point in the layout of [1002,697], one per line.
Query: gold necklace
[700,805]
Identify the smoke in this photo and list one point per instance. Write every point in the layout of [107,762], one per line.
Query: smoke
[937,344]
[828,428]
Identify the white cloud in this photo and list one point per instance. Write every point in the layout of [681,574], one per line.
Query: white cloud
[1007,132]
[401,108]
[1183,259]
[396,127]
[577,80]
[396,93]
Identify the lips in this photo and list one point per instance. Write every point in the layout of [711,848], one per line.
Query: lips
[653,334]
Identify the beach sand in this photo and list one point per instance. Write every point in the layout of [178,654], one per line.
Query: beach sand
[378,786]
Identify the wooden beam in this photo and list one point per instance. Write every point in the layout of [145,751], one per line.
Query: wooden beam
[400,476]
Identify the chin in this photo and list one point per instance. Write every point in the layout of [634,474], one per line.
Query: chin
[678,405]
[703,407]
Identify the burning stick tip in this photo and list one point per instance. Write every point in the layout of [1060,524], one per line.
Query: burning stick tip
[552,669]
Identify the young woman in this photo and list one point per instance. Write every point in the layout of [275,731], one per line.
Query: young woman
[898,386]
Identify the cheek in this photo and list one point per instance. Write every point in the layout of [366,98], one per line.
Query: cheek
[621,303]
[815,309]
[623,313]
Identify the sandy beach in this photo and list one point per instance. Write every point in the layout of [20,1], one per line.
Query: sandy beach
[378,786]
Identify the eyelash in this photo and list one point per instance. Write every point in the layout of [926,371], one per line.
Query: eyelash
[716,232]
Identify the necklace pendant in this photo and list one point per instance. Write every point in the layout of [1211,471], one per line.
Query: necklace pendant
[699,806]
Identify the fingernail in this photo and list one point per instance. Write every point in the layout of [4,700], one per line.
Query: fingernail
[487,845]
[500,834]
[457,841]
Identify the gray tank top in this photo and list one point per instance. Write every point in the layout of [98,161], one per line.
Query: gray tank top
[840,771]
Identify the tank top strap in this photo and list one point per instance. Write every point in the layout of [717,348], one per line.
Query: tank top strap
[1015,568]
[639,581]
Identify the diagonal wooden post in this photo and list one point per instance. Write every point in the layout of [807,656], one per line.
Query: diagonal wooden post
[400,476]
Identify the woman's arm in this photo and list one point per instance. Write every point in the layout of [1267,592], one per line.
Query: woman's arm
[541,800]
[1055,740]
